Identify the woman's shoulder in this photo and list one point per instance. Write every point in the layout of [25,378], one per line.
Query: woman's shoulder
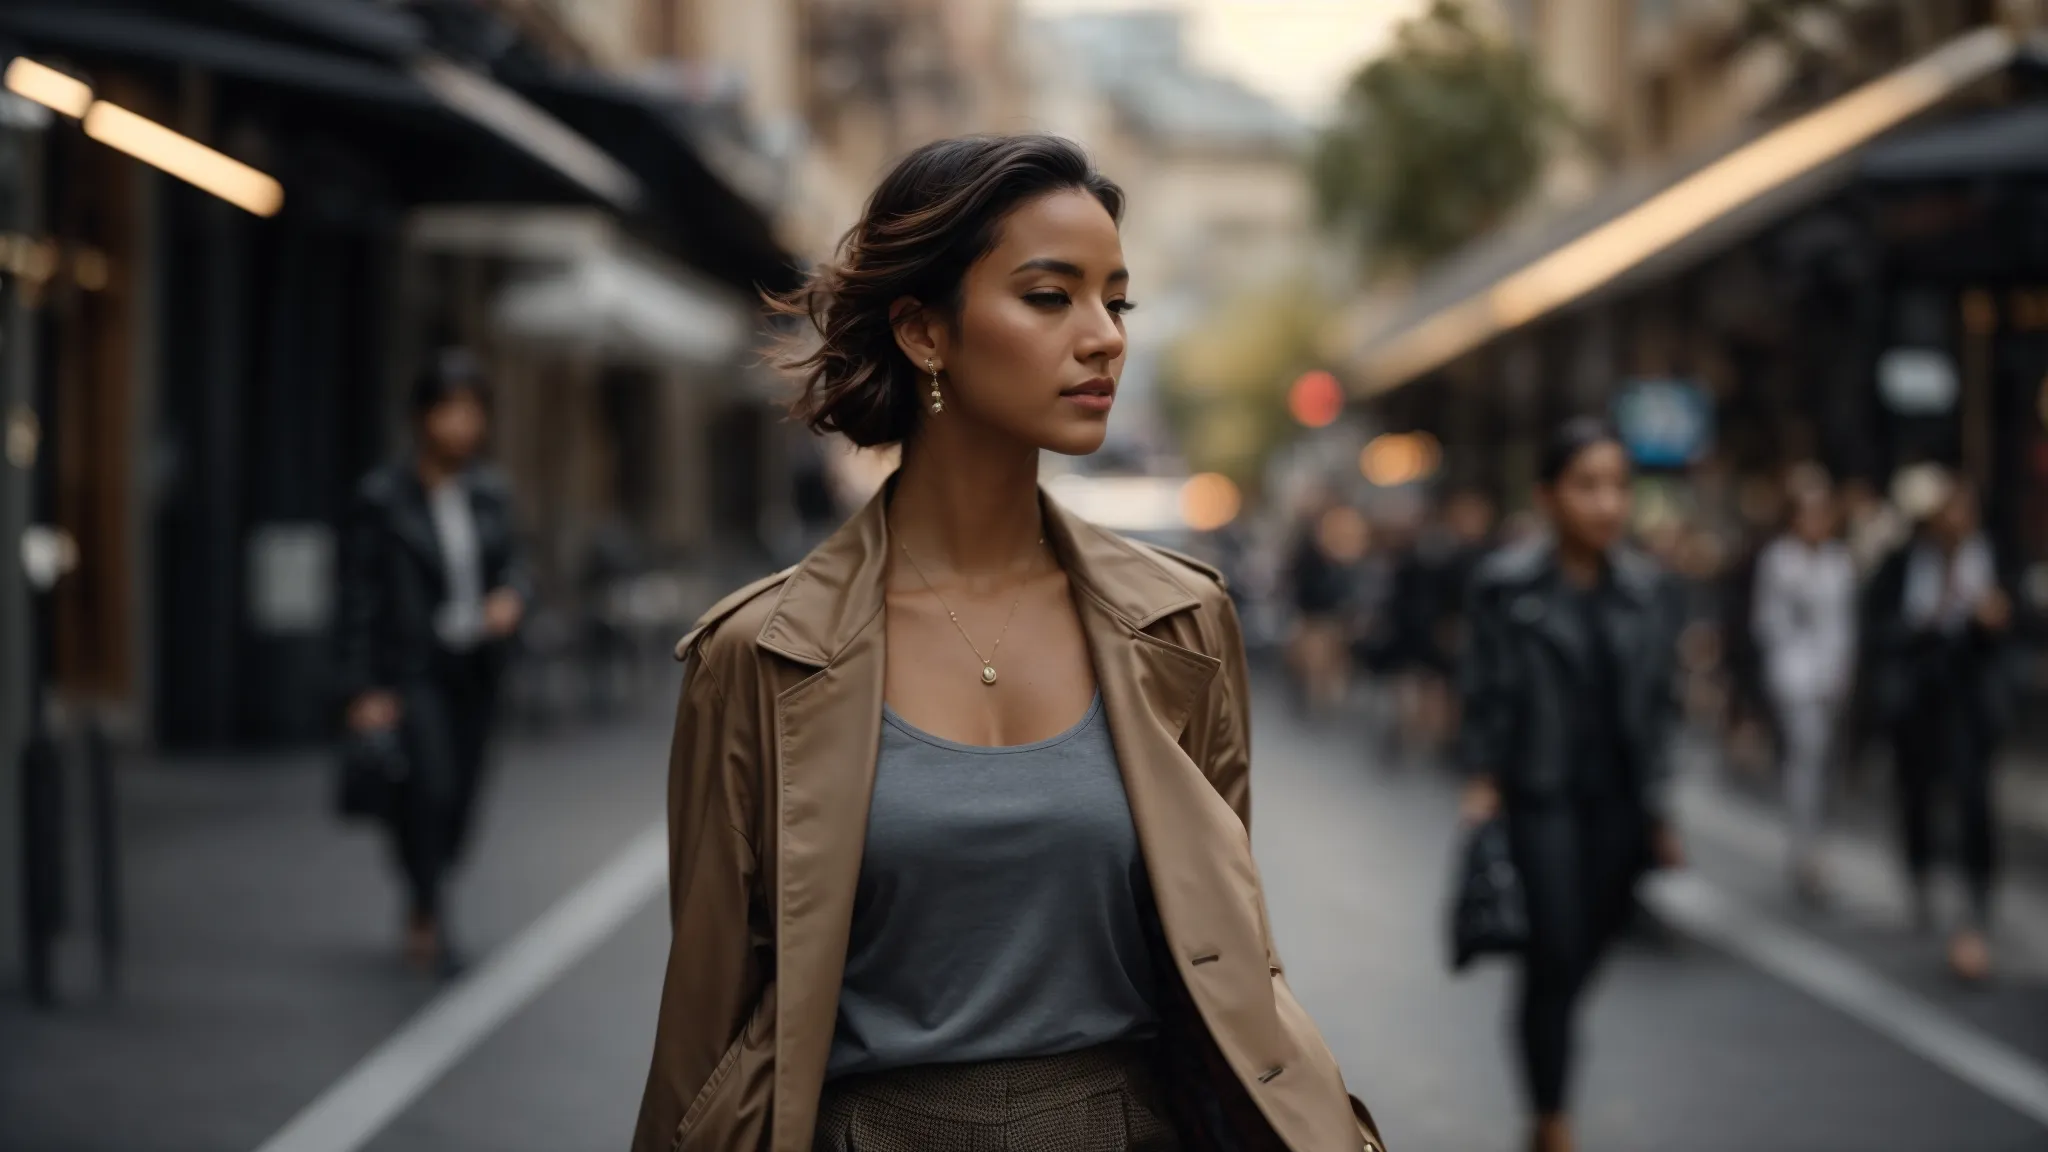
[1209,579]
[733,614]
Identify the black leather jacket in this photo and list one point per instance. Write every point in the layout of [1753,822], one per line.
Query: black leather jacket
[393,578]
[1899,660]
[1527,654]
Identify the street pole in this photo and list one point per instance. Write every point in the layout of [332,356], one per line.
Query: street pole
[42,824]
[46,555]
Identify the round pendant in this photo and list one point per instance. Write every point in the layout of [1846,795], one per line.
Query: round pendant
[988,673]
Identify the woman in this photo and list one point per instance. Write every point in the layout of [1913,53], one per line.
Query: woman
[957,805]
[432,592]
[1804,620]
[1568,708]
[1938,624]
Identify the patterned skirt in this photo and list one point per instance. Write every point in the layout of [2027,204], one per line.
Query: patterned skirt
[1103,1099]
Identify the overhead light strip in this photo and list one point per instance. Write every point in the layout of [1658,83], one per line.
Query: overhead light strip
[1771,161]
[183,157]
[146,140]
[47,86]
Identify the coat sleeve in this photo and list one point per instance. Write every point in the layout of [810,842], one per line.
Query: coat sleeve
[712,980]
[1226,758]
[1483,687]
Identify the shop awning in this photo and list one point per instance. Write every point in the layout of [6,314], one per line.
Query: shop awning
[421,96]
[1648,227]
[588,289]
[2005,142]
[717,216]
[626,307]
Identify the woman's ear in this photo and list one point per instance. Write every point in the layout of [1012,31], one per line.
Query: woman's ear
[917,332]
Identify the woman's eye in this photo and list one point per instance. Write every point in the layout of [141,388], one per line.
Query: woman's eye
[1121,306]
[1047,299]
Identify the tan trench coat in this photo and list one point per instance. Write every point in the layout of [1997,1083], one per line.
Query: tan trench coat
[770,774]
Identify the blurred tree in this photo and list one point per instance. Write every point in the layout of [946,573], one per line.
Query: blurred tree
[1436,140]
[1226,380]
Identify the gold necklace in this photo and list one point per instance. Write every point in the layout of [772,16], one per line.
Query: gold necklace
[988,665]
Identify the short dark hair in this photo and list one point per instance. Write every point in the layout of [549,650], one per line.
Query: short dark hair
[1570,440]
[936,213]
[451,372]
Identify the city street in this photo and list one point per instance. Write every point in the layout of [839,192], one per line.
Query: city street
[262,969]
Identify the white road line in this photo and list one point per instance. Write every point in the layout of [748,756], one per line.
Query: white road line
[1861,874]
[1992,1067]
[389,1079]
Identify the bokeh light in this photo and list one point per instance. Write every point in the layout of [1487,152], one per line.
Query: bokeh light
[1209,501]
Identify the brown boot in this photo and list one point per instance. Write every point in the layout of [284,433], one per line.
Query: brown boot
[1552,1134]
[423,943]
[1969,956]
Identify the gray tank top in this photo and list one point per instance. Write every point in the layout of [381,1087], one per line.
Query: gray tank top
[998,913]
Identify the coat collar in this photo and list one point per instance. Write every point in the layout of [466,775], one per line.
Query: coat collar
[1533,567]
[1538,599]
[838,589]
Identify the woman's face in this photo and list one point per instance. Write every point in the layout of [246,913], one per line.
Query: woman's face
[1956,520]
[1589,502]
[1038,345]
[455,427]
[1815,519]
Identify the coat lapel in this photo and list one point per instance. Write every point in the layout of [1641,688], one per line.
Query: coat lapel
[827,733]
[1208,899]
[412,523]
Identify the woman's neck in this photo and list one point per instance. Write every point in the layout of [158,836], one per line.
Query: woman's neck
[1581,565]
[969,510]
[432,470]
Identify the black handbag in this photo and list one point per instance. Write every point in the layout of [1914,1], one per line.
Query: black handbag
[1489,911]
[373,767]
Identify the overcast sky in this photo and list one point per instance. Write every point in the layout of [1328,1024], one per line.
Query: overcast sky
[1300,52]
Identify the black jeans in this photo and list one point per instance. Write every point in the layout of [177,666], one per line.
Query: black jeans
[1579,858]
[1943,740]
[447,723]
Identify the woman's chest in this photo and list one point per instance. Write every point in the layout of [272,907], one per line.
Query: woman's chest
[939,805]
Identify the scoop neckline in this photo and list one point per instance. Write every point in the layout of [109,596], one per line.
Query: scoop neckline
[897,722]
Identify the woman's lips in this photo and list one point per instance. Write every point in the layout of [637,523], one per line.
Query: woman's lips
[1094,396]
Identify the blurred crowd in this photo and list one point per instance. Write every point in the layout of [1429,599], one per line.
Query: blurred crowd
[1807,637]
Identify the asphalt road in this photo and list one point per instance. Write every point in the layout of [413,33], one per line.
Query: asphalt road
[261,972]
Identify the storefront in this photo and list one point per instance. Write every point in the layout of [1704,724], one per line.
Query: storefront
[211,377]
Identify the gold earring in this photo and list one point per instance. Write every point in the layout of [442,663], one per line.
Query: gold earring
[938,405]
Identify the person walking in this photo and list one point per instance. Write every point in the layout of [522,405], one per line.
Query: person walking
[1939,619]
[1327,545]
[433,589]
[958,806]
[1569,709]
[1805,625]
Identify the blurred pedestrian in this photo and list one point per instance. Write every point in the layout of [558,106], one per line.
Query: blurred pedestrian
[1569,711]
[1430,606]
[1939,617]
[432,592]
[1327,546]
[1805,624]
[1873,529]
[958,806]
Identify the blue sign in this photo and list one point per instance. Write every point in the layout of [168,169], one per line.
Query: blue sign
[1664,423]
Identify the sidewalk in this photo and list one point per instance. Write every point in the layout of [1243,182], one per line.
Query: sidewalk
[262,937]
